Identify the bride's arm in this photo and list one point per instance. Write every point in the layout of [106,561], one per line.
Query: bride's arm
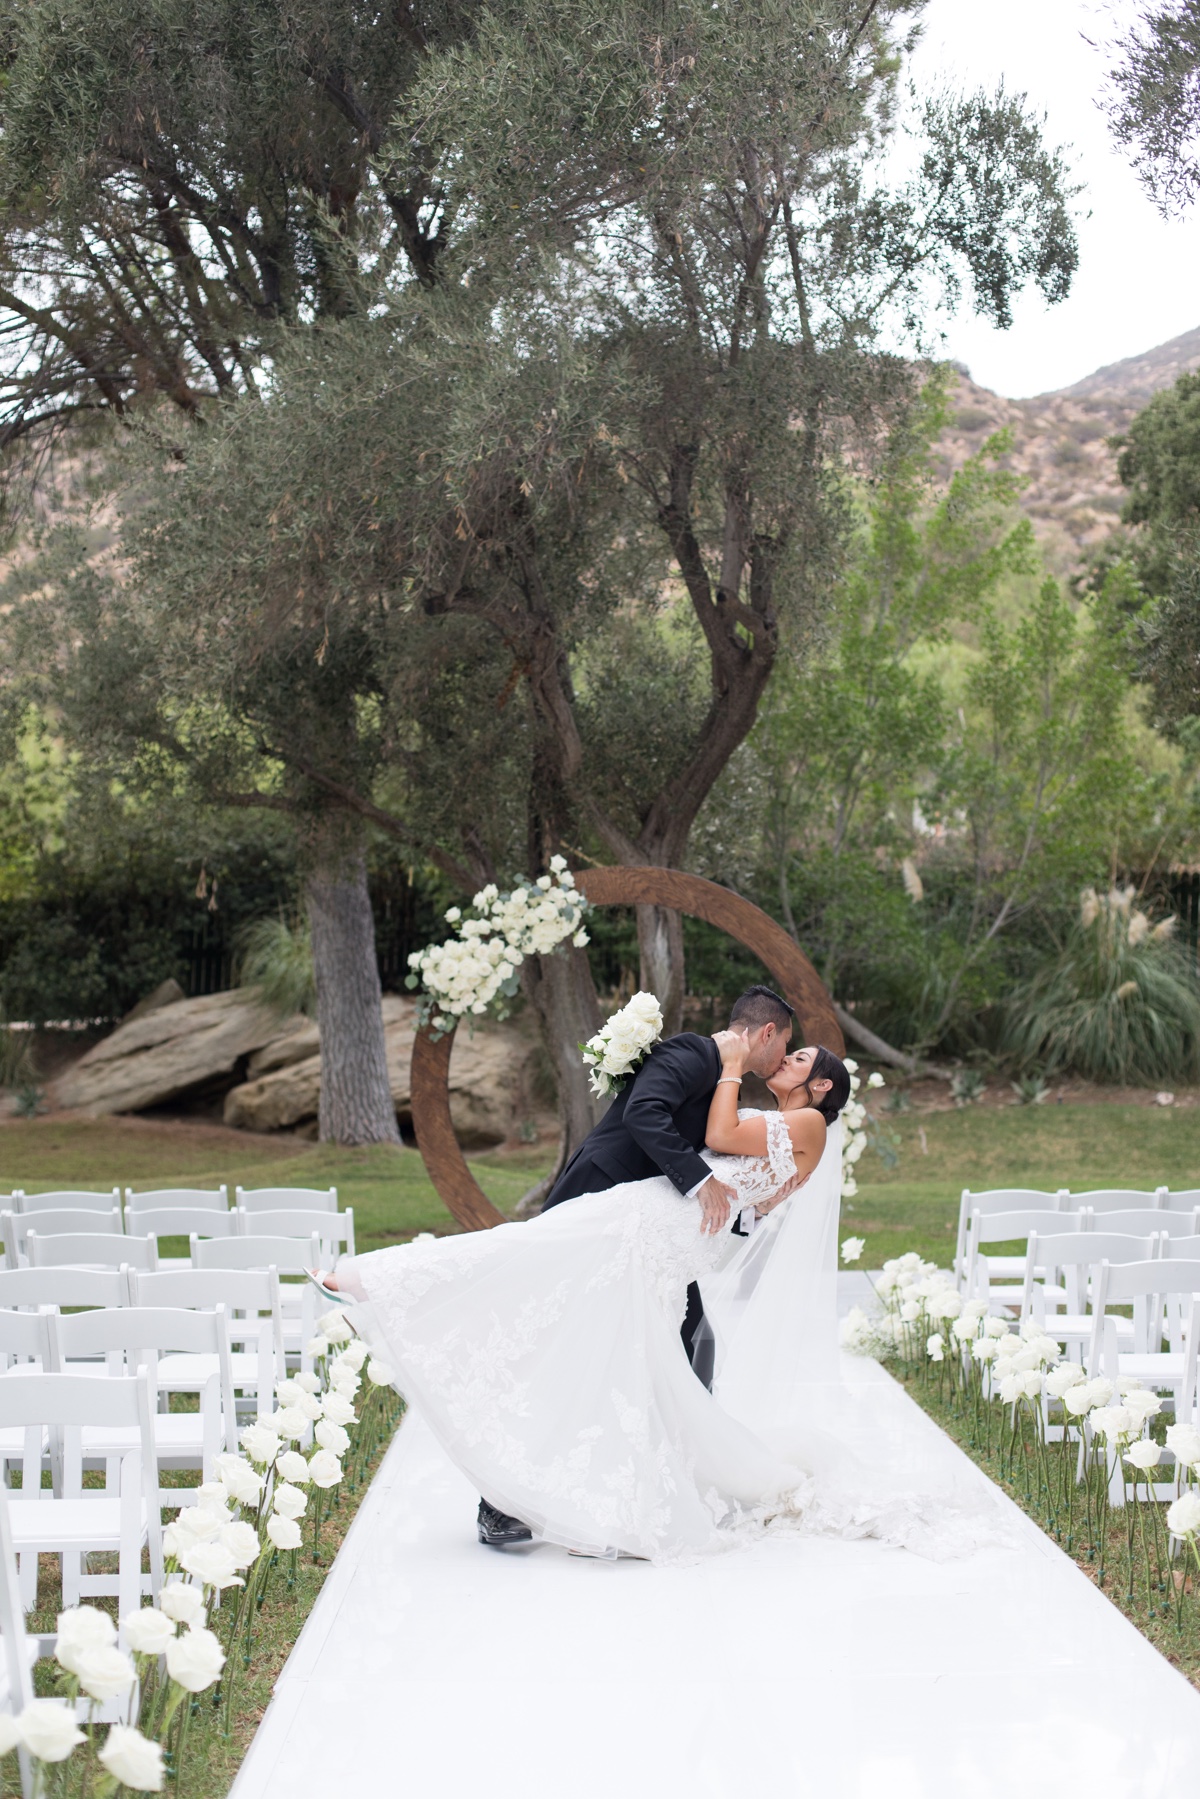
[725,1132]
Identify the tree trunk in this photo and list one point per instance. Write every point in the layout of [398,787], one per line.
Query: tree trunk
[660,943]
[562,993]
[356,1097]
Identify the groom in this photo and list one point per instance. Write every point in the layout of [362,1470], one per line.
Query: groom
[656,1125]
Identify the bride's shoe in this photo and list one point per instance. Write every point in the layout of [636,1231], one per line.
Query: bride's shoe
[318,1278]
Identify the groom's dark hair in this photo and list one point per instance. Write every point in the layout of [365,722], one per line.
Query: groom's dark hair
[759,1006]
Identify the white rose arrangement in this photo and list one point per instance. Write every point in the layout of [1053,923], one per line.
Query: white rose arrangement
[618,1050]
[475,971]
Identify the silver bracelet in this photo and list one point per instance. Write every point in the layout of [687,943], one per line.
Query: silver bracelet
[736,1078]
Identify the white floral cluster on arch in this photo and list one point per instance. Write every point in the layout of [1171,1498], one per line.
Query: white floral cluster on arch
[855,1128]
[475,971]
[228,1538]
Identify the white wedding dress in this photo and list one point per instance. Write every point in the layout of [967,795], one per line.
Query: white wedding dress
[547,1360]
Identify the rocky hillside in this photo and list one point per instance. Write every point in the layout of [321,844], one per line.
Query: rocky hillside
[1060,446]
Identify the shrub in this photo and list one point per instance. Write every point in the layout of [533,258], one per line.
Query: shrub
[1120,1003]
[275,955]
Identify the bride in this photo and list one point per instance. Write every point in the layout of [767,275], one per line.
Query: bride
[546,1356]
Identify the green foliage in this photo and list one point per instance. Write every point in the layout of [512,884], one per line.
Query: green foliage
[1160,464]
[275,955]
[1154,104]
[1118,1004]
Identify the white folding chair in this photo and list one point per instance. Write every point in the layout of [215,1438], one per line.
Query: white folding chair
[81,1521]
[143,1336]
[1171,1224]
[78,1199]
[1163,1294]
[288,1256]
[1071,1257]
[20,1650]
[26,1289]
[999,1199]
[253,1318]
[335,1230]
[180,1221]
[1185,1199]
[59,1223]
[1120,1199]
[24,1349]
[1004,1227]
[277,1199]
[199,1199]
[77,1250]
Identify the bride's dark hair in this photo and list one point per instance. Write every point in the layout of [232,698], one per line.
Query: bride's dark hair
[828,1067]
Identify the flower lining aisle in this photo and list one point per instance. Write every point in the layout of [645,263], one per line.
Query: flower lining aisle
[174,1706]
[1097,1463]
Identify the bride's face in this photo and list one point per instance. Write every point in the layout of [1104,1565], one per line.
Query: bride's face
[794,1072]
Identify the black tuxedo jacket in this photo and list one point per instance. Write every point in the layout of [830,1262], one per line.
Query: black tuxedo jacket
[654,1126]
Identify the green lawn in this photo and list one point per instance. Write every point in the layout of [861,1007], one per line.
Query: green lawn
[915,1204]
[911,1206]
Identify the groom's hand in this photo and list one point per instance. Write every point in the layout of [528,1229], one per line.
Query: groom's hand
[715,1198]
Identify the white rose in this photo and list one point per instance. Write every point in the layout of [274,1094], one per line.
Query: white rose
[996,1327]
[132,1759]
[199,1524]
[283,1532]
[983,1349]
[1112,1421]
[1101,1390]
[1183,1518]
[260,1443]
[292,1466]
[331,1437]
[379,1374]
[1141,1403]
[287,1392]
[182,1601]
[1078,1399]
[289,1501]
[339,1410]
[104,1673]
[290,1422]
[239,1479]
[324,1469]
[1061,1379]
[48,1729]
[852,1248]
[212,1564]
[195,1660]
[309,1405]
[1183,1440]
[353,1356]
[81,1630]
[1145,1453]
[147,1631]
[309,1383]
[241,1540]
[316,1347]
[334,1327]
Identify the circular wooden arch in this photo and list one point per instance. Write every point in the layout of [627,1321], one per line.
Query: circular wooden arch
[747,923]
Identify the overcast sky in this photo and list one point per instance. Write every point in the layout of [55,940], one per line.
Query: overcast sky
[1137,281]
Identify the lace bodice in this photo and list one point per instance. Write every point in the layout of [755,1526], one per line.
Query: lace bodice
[757,1177]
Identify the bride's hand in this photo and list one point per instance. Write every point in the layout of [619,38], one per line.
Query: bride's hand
[734,1047]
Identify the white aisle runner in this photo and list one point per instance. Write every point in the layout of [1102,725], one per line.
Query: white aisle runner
[432,1668]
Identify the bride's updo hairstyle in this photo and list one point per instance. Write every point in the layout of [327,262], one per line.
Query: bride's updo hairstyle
[828,1067]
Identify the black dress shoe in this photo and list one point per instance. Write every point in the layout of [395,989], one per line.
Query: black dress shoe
[498,1530]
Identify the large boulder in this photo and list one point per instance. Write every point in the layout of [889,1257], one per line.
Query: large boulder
[489,1077]
[176,1048]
